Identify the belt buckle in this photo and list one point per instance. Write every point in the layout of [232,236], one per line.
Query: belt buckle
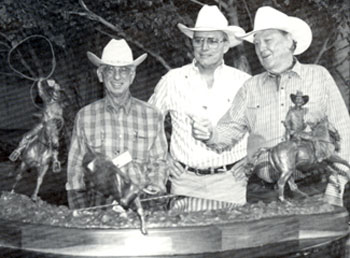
[222,169]
[212,171]
[198,173]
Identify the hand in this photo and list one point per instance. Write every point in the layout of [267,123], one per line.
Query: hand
[202,129]
[14,155]
[153,189]
[175,168]
[136,173]
[240,175]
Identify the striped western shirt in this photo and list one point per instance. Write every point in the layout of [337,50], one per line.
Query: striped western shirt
[183,92]
[261,106]
[136,127]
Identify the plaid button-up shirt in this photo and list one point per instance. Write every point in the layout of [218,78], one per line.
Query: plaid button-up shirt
[136,127]
[261,106]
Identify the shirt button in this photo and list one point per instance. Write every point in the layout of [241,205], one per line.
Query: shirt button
[282,88]
[282,104]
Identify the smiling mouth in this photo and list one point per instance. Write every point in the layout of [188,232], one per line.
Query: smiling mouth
[265,56]
[117,85]
[205,55]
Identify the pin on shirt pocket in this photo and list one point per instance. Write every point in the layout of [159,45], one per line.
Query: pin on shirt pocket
[139,135]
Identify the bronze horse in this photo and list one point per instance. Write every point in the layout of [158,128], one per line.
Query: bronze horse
[301,154]
[39,147]
[38,154]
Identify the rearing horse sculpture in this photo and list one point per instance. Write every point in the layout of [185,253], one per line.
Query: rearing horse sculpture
[39,147]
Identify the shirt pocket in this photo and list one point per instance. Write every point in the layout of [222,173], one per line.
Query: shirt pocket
[140,143]
[96,141]
[260,116]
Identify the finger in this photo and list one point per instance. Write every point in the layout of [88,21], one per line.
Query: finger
[200,134]
[176,170]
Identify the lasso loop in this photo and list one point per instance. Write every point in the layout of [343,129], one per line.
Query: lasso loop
[28,77]
[35,80]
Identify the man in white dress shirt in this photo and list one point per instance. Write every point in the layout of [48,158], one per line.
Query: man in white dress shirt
[203,89]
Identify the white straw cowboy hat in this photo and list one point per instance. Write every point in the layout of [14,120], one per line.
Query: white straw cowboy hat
[211,19]
[269,18]
[116,53]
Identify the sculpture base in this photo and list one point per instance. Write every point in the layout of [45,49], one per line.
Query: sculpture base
[268,236]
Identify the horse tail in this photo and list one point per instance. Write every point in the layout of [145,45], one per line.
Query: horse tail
[255,157]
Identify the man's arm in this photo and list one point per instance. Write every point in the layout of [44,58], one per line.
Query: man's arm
[75,182]
[231,128]
[338,115]
[158,168]
[159,98]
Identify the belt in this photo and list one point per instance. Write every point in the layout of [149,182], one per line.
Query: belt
[208,171]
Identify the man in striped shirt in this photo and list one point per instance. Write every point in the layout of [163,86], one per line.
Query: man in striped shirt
[261,105]
[116,124]
[203,89]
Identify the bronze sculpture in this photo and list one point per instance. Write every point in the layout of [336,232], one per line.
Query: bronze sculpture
[303,150]
[39,147]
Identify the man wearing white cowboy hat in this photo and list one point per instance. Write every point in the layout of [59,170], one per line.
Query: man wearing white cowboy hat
[261,105]
[203,90]
[116,124]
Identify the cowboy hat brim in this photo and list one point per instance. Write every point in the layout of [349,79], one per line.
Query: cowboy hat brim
[98,61]
[305,98]
[231,32]
[299,30]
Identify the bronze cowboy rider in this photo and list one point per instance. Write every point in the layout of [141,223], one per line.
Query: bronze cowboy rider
[314,129]
[295,121]
[52,113]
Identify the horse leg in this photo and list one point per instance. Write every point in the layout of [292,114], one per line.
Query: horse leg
[293,186]
[140,213]
[41,173]
[282,164]
[285,176]
[23,167]
[130,193]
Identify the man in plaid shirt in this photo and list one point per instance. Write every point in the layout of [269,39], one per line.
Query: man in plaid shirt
[116,124]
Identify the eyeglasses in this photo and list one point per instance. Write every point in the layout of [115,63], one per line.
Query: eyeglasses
[123,71]
[211,42]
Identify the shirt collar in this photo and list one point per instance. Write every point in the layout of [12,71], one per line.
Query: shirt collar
[195,68]
[116,107]
[295,69]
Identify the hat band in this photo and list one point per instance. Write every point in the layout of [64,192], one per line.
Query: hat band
[117,62]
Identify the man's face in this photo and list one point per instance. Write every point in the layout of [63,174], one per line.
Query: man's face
[117,79]
[209,48]
[299,101]
[273,49]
